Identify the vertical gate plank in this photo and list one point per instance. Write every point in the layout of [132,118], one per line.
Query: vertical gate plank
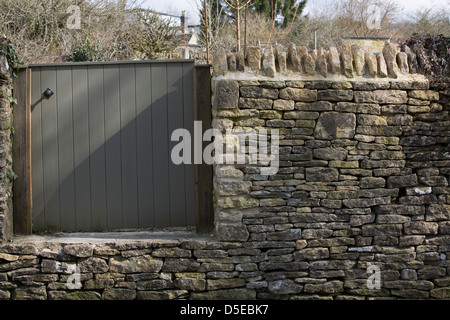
[50,152]
[160,144]
[65,148]
[128,140]
[36,151]
[97,148]
[81,148]
[175,121]
[113,165]
[144,145]
[188,114]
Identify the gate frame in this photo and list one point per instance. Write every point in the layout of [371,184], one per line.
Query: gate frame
[22,186]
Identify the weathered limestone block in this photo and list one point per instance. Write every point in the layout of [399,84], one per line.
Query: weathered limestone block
[302,52]
[190,281]
[258,92]
[281,58]
[255,103]
[216,284]
[359,220]
[334,61]
[431,272]
[94,265]
[321,174]
[286,235]
[219,62]
[268,62]
[52,266]
[180,265]
[381,66]
[364,203]
[231,60]
[343,164]
[293,61]
[79,250]
[347,61]
[427,95]
[386,155]
[237,202]
[438,212]
[30,293]
[226,94]
[334,125]
[333,287]
[304,115]
[222,124]
[412,59]
[285,286]
[137,264]
[440,293]
[312,254]
[335,95]
[382,230]
[283,105]
[372,182]
[330,153]
[8,257]
[421,227]
[240,61]
[171,253]
[280,123]
[232,232]
[400,120]
[381,96]
[254,59]
[402,62]
[390,56]
[321,63]
[333,264]
[371,63]
[371,85]
[232,188]
[417,141]
[118,294]
[309,64]
[371,120]
[358,60]
[364,108]
[300,95]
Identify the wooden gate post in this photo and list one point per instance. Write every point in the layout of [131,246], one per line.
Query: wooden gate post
[203,172]
[22,220]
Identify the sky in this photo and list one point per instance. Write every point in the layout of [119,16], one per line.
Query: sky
[191,6]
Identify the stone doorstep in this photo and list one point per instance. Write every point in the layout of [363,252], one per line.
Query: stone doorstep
[157,237]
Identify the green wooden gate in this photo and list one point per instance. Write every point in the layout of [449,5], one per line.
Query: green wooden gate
[100,146]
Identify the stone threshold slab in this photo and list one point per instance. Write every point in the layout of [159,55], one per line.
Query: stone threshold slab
[118,236]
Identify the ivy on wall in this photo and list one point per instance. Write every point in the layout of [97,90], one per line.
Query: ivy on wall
[434,56]
[7,48]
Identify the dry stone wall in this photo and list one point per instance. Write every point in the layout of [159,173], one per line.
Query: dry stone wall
[363,180]
[6,129]
[361,185]
[364,163]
